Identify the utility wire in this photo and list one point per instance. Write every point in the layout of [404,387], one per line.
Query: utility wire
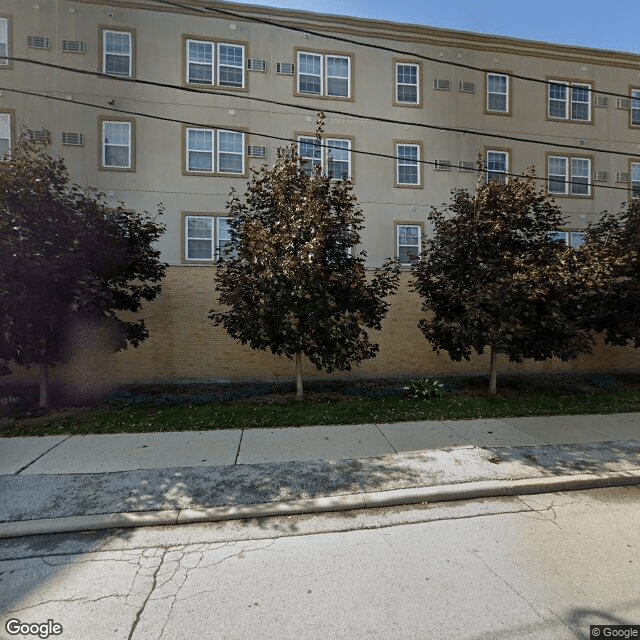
[478,170]
[240,96]
[280,25]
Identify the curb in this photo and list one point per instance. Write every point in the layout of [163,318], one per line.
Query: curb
[394,497]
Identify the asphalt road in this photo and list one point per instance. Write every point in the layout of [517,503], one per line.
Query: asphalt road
[534,567]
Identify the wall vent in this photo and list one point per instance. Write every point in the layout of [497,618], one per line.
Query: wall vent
[601,101]
[623,176]
[284,68]
[623,103]
[442,85]
[442,165]
[253,64]
[256,152]
[37,135]
[601,176]
[38,42]
[466,166]
[71,139]
[73,46]
[466,87]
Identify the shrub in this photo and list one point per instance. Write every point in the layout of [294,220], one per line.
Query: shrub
[424,389]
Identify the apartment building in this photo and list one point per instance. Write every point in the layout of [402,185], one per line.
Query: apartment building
[173,102]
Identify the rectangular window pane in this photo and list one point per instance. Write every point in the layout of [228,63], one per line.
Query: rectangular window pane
[558,236]
[557,100]
[199,234]
[200,150]
[5,135]
[635,179]
[407,163]
[310,153]
[576,239]
[338,76]
[497,92]
[4,41]
[635,106]
[230,152]
[231,65]
[223,239]
[339,161]
[408,238]
[309,73]
[116,138]
[580,100]
[117,53]
[407,83]
[580,170]
[496,166]
[199,62]
[557,175]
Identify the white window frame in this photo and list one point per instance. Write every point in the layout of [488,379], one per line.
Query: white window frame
[404,162]
[220,65]
[408,246]
[325,152]
[190,62]
[189,150]
[569,100]
[210,239]
[399,84]
[240,152]
[5,131]
[4,41]
[571,239]
[219,248]
[323,59]
[338,143]
[635,107]
[105,53]
[490,93]
[310,140]
[492,174]
[128,146]
[634,177]
[569,175]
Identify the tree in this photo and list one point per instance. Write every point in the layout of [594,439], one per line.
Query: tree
[491,276]
[611,256]
[290,281]
[64,255]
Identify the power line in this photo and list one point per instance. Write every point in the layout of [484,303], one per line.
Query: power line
[265,135]
[379,47]
[421,125]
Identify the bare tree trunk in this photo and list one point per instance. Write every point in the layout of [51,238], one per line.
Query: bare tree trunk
[299,393]
[44,385]
[493,371]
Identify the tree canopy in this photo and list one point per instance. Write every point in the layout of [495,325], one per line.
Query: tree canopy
[290,280]
[492,277]
[64,254]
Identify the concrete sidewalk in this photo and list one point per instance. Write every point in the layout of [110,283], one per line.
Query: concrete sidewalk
[66,483]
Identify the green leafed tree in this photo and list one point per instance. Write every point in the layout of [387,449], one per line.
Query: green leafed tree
[491,277]
[610,256]
[290,282]
[65,255]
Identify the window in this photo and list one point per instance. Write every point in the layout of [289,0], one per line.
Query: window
[497,166]
[210,64]
[497,93]
[407,79]
[223,238]
[117,144]
[572,239]
[408,242]
[230,65]
[570,101]
[635,107]
[200,150]
[199,238]
[407,164]
[332,155]
[117,47]
[569,176]
[199,62]
[210,151]
[4,42]
[324,75]
[5,135]
[635,178]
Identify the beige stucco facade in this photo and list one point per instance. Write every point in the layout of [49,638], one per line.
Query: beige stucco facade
[156,165]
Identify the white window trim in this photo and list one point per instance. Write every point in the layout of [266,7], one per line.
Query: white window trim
[218,249]
[325,151]
[406,163]
[4,39]
[419,245]
[506,94]
[212,152]
[569,101]
[241,154]
[5,130]
[328,151]
[568,177]
[634,184]
[187,238]
[635,97]
[242,65]
[105,53]
[506,163]
[128,146]
[408,84]
[189,62]
[324,75]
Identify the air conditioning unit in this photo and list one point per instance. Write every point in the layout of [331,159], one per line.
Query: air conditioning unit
[623,176]
[442,85]
[285,68]
[256,152]
[601,101]
[466,166]
[73,46]
[37,135]
[70,139]
[254,64]
[442,165]
[601,176]
[466,87]
[38,42]
[623,103]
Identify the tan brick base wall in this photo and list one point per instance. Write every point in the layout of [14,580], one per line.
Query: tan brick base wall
[184,347]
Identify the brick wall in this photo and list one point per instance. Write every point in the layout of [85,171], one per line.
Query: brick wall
[184,346]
